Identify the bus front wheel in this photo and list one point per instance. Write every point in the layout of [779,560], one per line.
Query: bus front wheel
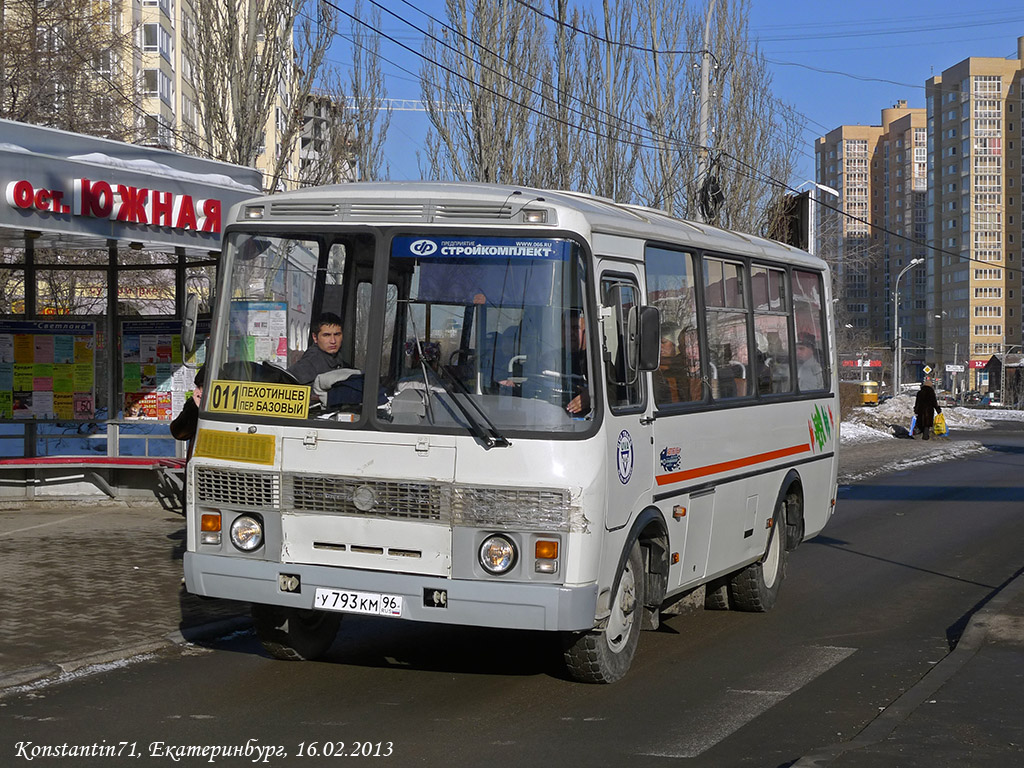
[291,634]
[604,656]
[756,587]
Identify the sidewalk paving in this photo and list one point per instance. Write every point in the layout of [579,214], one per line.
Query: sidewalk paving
[94,581]
[90,580]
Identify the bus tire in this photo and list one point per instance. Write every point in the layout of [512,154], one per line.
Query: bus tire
[291,634]
[756,587]
[716,594]
[604,656]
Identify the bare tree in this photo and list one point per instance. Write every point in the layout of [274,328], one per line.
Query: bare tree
[368,116]
[608,101]
[249,57]
[480,106]
[669,112]
[752,142]
[760,138]
[560,140]
[68,65]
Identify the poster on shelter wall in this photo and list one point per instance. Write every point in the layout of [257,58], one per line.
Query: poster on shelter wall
[47,370]
[155,380]
[259,331]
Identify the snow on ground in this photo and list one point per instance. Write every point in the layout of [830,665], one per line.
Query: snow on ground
[871,447]
[855,432]
[900,410]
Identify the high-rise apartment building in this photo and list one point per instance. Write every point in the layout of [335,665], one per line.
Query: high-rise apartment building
[876,227]
[975,206]
[164,66]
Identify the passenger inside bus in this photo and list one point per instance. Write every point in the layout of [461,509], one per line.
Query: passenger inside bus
[673,382]
[809,375]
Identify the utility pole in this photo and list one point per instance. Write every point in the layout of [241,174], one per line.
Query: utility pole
[956,361]
[703,153]
[897,373]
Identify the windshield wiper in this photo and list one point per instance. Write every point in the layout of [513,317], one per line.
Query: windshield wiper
[490,436]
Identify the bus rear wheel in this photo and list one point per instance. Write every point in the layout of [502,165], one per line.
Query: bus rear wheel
[291,634]
[604,656]
[756,587]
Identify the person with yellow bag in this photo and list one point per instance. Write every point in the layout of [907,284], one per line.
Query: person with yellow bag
[926,405]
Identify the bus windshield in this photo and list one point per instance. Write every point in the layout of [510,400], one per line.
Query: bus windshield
[490,329]
[485,335]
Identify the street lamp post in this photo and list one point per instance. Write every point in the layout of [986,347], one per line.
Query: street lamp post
[897,373]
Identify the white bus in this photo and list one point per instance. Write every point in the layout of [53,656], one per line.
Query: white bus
[553,412]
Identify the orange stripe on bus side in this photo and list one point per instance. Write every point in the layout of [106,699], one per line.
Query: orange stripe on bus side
[725,466]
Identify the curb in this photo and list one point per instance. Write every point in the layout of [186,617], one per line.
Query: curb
[881,727]
[184,636]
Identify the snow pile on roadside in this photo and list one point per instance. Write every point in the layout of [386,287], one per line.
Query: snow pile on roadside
[855,432]
[900,410]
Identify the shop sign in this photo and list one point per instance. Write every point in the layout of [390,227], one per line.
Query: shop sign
[119,202]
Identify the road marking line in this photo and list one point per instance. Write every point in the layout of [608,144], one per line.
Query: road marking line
[736,707]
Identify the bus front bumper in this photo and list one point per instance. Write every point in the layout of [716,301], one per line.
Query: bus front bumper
[499,604]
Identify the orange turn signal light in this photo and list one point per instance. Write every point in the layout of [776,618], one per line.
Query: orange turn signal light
[546,550]
[210,522]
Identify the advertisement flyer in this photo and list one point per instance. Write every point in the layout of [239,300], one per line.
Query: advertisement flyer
[47,370]
[155,381]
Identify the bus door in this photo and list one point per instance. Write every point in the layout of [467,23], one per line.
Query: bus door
[628,421]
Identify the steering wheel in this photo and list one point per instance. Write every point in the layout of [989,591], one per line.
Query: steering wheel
[461,357]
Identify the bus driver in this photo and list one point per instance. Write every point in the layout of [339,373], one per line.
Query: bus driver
[325,353]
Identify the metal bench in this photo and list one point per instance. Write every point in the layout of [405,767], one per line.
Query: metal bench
[171,470]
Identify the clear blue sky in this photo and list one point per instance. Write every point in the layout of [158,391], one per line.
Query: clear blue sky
[834,62]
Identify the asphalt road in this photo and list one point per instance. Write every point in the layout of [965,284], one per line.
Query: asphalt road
[866,610]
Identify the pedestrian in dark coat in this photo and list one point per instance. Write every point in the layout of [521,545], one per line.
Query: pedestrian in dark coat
[926,405]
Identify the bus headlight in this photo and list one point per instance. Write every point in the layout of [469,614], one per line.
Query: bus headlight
[247,532]
[497,554]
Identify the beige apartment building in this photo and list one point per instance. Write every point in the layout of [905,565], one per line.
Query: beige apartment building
[164,68]
[873,232]
[975,206]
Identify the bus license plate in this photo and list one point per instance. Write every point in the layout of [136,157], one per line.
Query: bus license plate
[347,601]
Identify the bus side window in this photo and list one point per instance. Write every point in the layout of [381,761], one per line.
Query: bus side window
[726,312]
[671,287]
[769,298]
[812,342]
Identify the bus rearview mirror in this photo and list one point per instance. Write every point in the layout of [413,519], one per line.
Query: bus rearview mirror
[649,342]
[188,324]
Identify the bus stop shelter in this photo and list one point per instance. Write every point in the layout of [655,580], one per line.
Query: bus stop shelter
[101,242]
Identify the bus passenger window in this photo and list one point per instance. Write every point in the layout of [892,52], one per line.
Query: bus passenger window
[771,331]
[671,288]
[728,349]
[808,303]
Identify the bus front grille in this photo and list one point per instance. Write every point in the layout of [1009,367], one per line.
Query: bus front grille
[396,499]
[511,508]
[219,487]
